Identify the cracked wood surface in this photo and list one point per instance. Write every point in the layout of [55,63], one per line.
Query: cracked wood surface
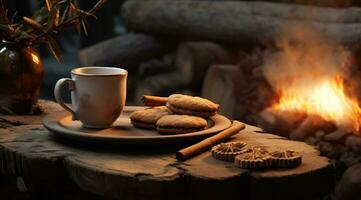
[55,166]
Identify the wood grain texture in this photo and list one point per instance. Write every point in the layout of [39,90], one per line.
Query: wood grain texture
[238,22]
[52,167]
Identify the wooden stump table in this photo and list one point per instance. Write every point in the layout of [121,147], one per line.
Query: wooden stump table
[53,168]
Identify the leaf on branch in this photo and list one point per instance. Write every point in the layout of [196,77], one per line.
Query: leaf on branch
[57,17]
[11,27]
[65,14]
[82,12]
[48,4]
[62,1]
[53,19]
[97,6]
[18,28]
[54,47]
[84,24]
[33,24]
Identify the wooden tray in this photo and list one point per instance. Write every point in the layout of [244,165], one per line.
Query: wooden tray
[122,132]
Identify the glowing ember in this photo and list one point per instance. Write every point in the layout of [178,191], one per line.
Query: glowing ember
[326,99]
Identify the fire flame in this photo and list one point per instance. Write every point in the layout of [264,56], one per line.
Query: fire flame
[326,99]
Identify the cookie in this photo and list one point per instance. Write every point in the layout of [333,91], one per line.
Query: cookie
[227,151]
[188,105]
[255,158]
[147,118]
[177,124]
[285,159]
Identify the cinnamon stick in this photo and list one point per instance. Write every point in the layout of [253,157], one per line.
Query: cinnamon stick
[154,100]
[206,144]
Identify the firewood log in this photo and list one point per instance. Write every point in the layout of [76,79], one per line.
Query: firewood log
[125,51]
[220,85]
[320,134]
[312,140]
[194,58]
[239,22]
[159,85]
[339,135]
[307,127]
[333,3]
[156,66]
[279,122]
[328,3]
[325,147]
[353,142]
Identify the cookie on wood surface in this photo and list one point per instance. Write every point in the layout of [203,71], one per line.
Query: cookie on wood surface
[177,124]
[227,151]
[255,158]
[285,159]
[188,105]
[148,118]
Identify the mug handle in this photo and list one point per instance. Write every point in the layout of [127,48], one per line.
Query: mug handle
[58,96]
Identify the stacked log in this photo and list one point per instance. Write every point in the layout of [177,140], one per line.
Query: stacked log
[328,3]
[126,51]
[182,71]
[220,85]
[157,66]
[279,122]
[238,87]
[194,58]
[159,85]
[238,22]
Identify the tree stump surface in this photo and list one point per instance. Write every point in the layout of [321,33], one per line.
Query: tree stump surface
[54,167]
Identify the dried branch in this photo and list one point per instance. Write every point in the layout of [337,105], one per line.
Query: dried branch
[52,18]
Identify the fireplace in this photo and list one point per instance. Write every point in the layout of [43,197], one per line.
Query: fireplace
[315,94]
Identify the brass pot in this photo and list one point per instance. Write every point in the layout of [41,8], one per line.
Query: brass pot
[21,73]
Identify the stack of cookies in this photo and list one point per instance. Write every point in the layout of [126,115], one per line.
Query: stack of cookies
[255,157]
[181,114]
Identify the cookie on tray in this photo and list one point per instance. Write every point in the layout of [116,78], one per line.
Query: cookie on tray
[255,158]
[188,105]
[285,159]
[148,118]
[177,124]
[227,151]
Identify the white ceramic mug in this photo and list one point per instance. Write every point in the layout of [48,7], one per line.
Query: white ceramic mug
[97,94]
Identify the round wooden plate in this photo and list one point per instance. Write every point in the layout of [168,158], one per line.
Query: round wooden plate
[123,132]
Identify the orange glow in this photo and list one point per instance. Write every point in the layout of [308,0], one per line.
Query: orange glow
[35,58]
[326,99]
